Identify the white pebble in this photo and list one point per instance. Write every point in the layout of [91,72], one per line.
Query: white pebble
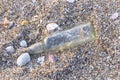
[52,27]
[71,1]
[10,49]
[114,16]
[41,60]
[119,37]
[23,59]
[23,43]
[33,1]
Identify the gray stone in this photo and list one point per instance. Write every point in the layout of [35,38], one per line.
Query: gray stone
[53,58]
[23,43]
[52,27]
[41,60]
[10,49]
[103,54]
[23,59]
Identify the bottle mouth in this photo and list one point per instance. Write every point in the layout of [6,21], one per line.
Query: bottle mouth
[36,48]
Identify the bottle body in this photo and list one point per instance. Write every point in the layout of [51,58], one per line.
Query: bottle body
[70,38]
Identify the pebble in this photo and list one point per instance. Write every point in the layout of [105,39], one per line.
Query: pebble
[52,27]
[35,18]
[119,37]
[103,54]
[41,60]
[6,22]
[24,23]
[23,43]
[11,25]
[33,1]
[10,49]
[71,1]
[23,59]
[114,16]
[53,58]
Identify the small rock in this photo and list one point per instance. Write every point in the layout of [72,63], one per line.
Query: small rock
[23,59]
[114,16]
[109,79]
[117,21]
[41,60]
[52,27]
[35,18]
[71,1]
[23,43]
[11,25]
[103,54]
[5,54]
[6,22]
[10,49]
[33,1]
[53,58]
[119,37]
[24,23]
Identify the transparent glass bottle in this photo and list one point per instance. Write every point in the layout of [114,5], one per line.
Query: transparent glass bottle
[64,39]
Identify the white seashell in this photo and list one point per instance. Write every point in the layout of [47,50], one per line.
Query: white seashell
[41,60]
[114,16]
[23,59]
[23,43]
[52,27]
[71,1]
[10,49]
